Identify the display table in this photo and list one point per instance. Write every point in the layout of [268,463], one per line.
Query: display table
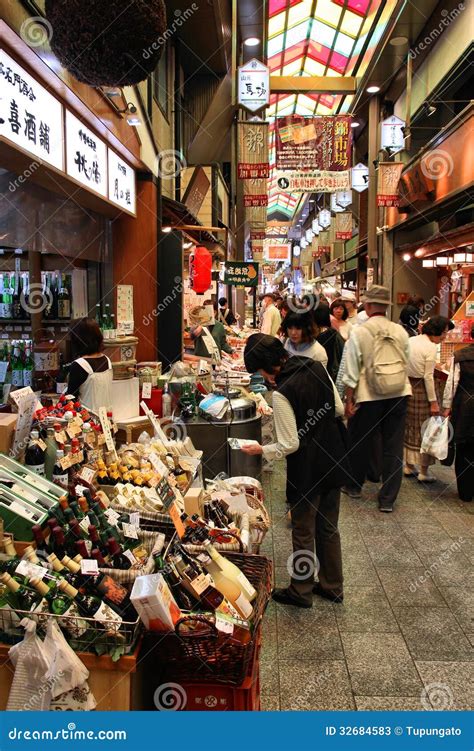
[112,683]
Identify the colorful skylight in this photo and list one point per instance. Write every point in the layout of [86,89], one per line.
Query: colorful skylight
[319,38]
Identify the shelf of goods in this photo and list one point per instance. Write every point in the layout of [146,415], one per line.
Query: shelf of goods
[132,554]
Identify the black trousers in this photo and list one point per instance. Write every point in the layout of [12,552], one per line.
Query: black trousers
[314,528]
[464,468]
[382,422]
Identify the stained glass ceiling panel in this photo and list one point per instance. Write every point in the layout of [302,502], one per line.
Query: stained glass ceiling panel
[319,38]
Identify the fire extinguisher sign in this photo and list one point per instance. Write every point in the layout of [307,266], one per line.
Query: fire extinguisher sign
[241,274]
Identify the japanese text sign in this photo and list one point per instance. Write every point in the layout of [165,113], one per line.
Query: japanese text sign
[241,274]
[314,143]
[86,156]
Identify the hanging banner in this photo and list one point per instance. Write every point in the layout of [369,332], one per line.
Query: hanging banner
[257,200]
[314,143]
[255,192]
[344,226]
[360,178]
[257,235]
[252,158]
[241,274]
[277,252]
[312,181]
[388,177]
[392,133]
[253,85]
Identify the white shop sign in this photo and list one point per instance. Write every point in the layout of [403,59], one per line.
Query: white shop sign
[360,177]
[121,183]
[253,85]
[392,134]
[86,156]
[30,116]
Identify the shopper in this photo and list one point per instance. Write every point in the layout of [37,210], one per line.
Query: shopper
[305,408]
[225,316]
[377,399]
[410,319]
[208,334]
[350,304]
[90,375]
[425,400]
[329,338]
[339,316]
[271,318]
[300,337]
[458,400]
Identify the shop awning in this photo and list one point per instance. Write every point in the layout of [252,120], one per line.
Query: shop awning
[441,242]
[177,215]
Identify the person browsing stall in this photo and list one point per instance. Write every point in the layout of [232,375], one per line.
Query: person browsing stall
[208,334]
[300,333]
[90,375]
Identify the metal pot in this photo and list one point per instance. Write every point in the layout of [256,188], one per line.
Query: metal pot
[241,409]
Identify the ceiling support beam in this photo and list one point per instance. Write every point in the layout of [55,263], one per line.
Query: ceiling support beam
[313,84]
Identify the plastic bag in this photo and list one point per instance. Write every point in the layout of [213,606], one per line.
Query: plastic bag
[30,689]
[435,439]
[66,674]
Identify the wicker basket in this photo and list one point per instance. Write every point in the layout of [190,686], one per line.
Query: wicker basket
[126,577]
[208,656]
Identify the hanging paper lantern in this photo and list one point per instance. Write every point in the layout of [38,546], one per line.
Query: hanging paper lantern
[112,43]
[200,270]
[324,218]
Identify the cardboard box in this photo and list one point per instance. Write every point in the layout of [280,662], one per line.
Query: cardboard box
[154,603]
[7,431]
[192,501]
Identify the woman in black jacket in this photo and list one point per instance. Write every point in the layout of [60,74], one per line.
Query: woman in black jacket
[331,339]
[305,405]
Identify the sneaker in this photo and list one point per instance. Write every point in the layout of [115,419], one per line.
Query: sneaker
[386,507]
[409,472]
[285,597]
[426,478]
[354,493]
[318,590]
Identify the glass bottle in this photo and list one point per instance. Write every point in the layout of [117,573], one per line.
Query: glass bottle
[230,570]
[34,455]
[197,583]
[17,367]
[59,475]
[64,300]
[50,453]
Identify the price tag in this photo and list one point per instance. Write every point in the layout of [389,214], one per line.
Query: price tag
[158,465]
[146,391]
[61,388]
[41,444]
[77,458]
[175,514]
[84,524]
[109,439]
[112,516]
[65,462]
[128,554]
[130,530]
[100,439]
[135,519]
[89,566]
[61,437]
[31,570]
[87,474]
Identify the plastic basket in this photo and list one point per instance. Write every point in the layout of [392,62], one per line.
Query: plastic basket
[207,656]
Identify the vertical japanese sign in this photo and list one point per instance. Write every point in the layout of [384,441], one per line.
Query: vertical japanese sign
[314,143]
[252,160]
[30,117]
[121,183]
[344,226]
[253,85]
[388,177]
[86,156]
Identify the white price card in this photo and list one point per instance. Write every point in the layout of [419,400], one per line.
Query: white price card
[89,566]
[84,524]
[135,519]
[130,530]
[109,439]
[146,390]
[158,465]
[31,570]
[87,474]
[111,516]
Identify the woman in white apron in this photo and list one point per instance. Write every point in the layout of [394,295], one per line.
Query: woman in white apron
[90,375]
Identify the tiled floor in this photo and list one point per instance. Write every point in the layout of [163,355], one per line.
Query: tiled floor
[404,636]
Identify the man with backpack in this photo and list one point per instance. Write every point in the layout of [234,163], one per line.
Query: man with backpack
[376,395]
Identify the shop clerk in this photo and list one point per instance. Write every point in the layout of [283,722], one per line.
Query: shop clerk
[90,375]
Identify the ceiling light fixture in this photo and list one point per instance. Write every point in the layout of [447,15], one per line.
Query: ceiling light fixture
[134,120]
[251,41]
[166,229]
[407,257]
[373,89]
[398,41]
[428,263]
[355,124]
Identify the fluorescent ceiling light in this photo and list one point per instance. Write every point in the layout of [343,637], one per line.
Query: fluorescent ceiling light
[251,41]
[372,89]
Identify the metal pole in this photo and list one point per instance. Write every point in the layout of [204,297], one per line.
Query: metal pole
[372,211]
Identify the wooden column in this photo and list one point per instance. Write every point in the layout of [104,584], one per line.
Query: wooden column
[135,262]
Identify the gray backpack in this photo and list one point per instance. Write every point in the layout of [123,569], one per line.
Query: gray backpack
[386,366]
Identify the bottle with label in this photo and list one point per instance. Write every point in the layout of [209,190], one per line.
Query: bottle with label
[92,607]
[59,476]
[197,583]
[34,455]
[63,571]
[61,380]
[230,589]
[61,602]
[28,366]
[17,312]
[58,543]
[118,558]
[166,405]
[184,599]
[24,597]
[64,300]
[25,296]
[50,453]
[17,367]
[229,570]
[7,298]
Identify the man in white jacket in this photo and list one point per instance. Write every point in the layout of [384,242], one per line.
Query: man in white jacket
[271,321]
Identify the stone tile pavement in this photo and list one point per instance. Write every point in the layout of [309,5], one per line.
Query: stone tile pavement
[404,636]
